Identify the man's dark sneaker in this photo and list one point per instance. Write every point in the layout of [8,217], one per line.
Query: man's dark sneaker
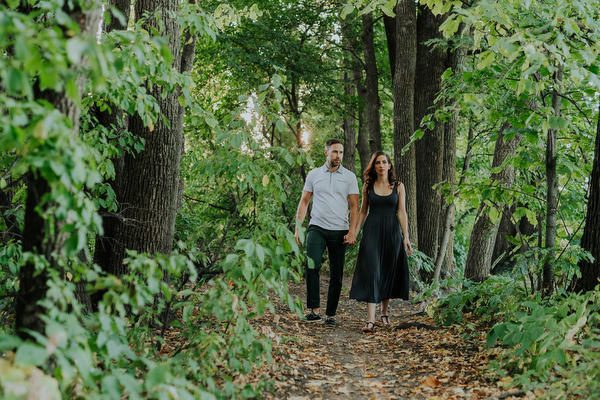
[312,317]
[329,321]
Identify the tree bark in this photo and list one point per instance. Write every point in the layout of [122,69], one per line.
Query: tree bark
[429,155]
[33,279]
[404,93]
[115,121]
[362,143]
[149,184]
[350,120]
[590,241]
[371,84]
[349,124]
[389,24]
[548,278]
[455,61]
[483,236]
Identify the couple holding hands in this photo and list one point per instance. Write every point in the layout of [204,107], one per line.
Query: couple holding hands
[381,271]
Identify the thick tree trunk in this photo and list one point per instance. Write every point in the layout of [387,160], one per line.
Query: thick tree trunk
[33,280]
[371,84]
[590,241]
[115,121]
[404,93]
[149,183]
[483,236]
[429,155]
[548,280]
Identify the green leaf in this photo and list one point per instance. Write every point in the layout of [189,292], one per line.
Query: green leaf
[30,354]
[280,125]
[486,59]
[111,387]
[348,9]
[76,46]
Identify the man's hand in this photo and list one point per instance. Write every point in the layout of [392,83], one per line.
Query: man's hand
[297,236]
[350,239]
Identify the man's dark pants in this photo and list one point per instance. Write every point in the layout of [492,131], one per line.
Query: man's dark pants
[317,239]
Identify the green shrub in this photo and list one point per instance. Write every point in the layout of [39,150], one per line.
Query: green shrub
[489,300]
[554,342]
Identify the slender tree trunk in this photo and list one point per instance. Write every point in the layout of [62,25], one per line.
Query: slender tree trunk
[350,119]
[371,84]
[548,278]
[446,250]
[362,143]
[429,155]
[349,124]
[389,24]
[33,283]
[447,230]
[404,93]
[590,241]
[483,236]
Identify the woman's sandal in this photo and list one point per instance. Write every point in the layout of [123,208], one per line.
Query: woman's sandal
[385,320]
[367,329]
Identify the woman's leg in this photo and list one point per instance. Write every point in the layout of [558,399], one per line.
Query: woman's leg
[385,320]
[370,318]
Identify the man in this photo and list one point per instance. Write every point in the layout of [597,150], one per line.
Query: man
[332,188]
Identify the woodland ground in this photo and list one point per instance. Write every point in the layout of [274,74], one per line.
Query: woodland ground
[311,361]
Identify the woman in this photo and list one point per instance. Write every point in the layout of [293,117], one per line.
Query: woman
[381,271]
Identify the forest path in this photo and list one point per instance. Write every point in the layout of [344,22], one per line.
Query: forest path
[311,361]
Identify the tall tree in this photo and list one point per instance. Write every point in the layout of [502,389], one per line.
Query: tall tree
[371,83]
[483,236]
[404,94]
[590,241]
[149,183]
[429,150]
[43,235]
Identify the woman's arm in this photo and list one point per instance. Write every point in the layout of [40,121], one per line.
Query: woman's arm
[364,209]
[403,218]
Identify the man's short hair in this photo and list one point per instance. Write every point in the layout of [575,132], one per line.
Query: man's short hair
[331,142]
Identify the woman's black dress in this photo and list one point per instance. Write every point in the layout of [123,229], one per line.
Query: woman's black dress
[381,271]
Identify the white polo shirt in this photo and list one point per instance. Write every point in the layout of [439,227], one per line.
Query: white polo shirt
[330,196]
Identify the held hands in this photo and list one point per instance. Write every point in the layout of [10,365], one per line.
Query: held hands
[350,238]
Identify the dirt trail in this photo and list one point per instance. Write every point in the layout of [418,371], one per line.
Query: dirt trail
[312,361]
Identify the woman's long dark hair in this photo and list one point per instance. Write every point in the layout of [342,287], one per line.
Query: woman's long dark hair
[370,174]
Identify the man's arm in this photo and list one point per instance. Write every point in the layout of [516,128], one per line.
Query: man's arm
[350,238]
[301,212]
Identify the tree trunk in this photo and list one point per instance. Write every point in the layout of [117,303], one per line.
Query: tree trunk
[350,120]
[548,277]
[483,236]
[590,241]
[447,231]
[33,283]
[371,84]
[115,121]
[362,143]
[455,61]
[389,24]
[404,93]
[349,123]
[429,155]
[149,184]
